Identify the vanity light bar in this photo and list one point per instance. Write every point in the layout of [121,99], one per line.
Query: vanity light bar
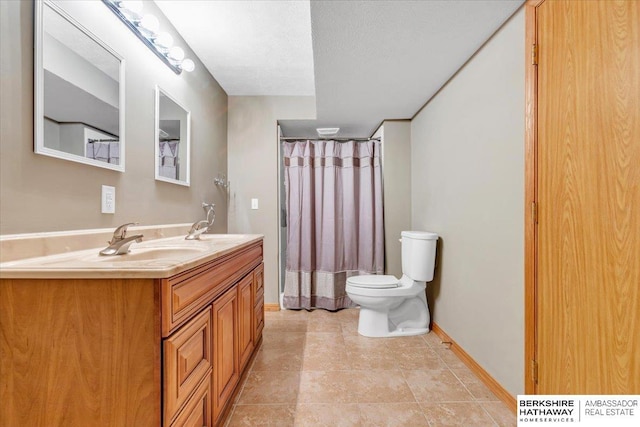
[146,28]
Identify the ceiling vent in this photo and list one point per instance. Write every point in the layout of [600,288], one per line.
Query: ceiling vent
[327,132]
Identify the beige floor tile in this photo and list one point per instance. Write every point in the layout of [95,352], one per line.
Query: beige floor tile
[500,414]
[433,340]
[436,385]
[287,315]
[262,415]
[392,415]
[327,387]
[324,325]
[415,358]
[406,342]
[314,369]
[364,359]
[325,415]
[456,415]
[270,387]
[324,339]
[358,342]
[279,339]
[382,387]
[450,358]
[325,359]
[278,359]
[282,325]
[350,327]
[320,314]
[474,385]
[348,314]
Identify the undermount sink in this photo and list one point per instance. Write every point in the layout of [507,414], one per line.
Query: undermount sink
[218,238]
[149,254]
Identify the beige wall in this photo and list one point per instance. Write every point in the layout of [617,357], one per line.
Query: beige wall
[40,193]
[253,170]
[468,186]
[396,141]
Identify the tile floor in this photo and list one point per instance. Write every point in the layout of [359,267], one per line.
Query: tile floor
[313,369]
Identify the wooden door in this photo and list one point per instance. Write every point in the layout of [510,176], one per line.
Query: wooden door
[245,319]
[588,197]
[226,372]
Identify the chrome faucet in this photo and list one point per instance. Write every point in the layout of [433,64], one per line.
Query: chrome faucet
[200,227]
[119,243]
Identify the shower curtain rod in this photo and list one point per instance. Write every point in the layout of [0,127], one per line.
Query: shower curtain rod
[283,138]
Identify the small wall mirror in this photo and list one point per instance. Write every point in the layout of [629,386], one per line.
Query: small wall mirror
[79,92]
[172,140]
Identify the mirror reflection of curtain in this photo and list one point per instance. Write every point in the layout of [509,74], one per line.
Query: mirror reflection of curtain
[168,164]
[108,152]
[335,222]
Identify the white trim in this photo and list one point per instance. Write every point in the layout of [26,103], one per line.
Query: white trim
[38,93]
[187,180]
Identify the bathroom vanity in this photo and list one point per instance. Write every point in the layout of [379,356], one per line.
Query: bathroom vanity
[160,336]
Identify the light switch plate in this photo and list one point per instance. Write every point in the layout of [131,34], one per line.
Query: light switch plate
[108,199]
[254,203]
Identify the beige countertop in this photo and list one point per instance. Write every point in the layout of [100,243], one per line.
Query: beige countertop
[159,258]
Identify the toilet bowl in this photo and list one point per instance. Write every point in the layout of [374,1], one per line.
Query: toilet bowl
[397,307]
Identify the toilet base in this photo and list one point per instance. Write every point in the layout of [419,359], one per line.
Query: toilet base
[376,324]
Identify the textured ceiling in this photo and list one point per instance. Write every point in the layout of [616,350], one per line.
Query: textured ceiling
[371,60]
[250,47]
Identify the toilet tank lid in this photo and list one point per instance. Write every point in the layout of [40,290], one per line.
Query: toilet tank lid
[373,281]
[421,235]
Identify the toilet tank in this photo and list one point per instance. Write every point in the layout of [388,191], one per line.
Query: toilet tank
[419,255]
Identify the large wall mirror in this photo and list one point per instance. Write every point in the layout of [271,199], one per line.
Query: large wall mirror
[172,140]
[79,92]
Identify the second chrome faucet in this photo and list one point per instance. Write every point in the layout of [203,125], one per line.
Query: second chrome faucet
[200,227]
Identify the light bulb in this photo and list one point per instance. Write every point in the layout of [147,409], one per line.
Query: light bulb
[188,65]
[163,41]
[149,24]
[176,53]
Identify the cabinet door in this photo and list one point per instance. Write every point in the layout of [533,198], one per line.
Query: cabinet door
[225,348]
[197,411]
[187,360]
[245,319]
[258,301]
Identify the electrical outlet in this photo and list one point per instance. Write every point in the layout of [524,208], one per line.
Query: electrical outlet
[108,199]
[254,203]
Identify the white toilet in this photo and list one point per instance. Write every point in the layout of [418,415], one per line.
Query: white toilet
[390,307]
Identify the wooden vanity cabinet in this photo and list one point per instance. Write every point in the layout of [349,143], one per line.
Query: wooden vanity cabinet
[225,291]
[130,351]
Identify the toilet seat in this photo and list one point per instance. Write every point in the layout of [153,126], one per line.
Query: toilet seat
[373,281]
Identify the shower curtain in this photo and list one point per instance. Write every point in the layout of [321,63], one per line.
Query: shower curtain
[334,220]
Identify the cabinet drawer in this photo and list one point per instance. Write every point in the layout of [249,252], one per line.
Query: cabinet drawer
[258,277]
[187,360]
[197,411]
[259,319]
[185,294]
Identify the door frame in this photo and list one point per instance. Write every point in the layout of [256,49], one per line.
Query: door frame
[531,197]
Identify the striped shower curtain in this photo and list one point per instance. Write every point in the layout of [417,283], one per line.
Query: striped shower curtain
[334,219]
